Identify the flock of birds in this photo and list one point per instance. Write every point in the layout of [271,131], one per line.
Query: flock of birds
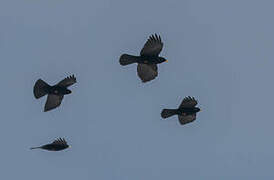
[147,70]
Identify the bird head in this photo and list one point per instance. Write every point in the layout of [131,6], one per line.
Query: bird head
[161,60]
[196,109]
[68,91]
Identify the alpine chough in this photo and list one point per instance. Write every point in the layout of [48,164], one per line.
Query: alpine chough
[55,93]
[57,145]
[148,59]
[186,111]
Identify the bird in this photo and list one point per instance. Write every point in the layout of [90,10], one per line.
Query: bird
[57,145]
[186,111]
[147,61]
[55,93]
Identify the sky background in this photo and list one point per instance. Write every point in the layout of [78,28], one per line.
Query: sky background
[219,51]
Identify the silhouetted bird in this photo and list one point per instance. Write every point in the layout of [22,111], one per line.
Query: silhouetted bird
[55,93]
[148,59]
[186,111]
[57,145]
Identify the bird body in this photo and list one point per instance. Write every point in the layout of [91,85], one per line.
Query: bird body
[58,90]
[55,93]
[151,59]
[183,111]
[57,145]
[130,59]
[186,111]
[147,61]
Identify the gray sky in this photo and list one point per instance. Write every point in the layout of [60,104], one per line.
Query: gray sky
[219,51]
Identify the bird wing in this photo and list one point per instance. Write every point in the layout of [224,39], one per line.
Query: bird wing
[188,102]
[68,81]
[53,101]
[147,72]
[59,141]
[186,119]
[153,46]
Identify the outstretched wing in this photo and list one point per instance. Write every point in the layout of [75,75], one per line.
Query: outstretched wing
[153,46]
[186,119]
[68,81]
[53,101]
[147,72]
[188,102]
[59,141]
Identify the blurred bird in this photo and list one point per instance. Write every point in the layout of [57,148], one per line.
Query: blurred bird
[55,93]
[147,61]
[186,111]
[57,145]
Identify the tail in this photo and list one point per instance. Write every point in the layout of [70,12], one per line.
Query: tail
[35,148]
[40,88]
[168,112]
[126,59]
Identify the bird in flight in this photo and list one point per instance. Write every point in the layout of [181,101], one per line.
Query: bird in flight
[55,93]
[57,145]
[147,61]
[186,111]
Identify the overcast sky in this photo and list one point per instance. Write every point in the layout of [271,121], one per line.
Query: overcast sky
[219,51]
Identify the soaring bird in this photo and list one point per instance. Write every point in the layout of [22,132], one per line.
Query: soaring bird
[186,111]
[147,61]
[55,93]
[57,145]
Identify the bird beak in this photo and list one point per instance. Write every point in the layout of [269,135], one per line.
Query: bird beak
[166,60]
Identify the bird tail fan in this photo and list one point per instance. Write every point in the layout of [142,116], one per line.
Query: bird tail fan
[166,113]
[40,88]
[126,59]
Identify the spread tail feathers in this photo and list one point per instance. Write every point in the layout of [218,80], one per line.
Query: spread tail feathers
[168,112]
[126,59]
[40,88]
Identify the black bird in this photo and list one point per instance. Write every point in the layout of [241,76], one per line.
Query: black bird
[55,93]
[57,145]
[186,111]
[147,61]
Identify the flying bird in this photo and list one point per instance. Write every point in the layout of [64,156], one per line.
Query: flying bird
[55,93]
[147,61]
[186,111]
[57,145]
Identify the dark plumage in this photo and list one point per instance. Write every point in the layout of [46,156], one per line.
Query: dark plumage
[57,145]
[148,59]
[55,93]
[186,111]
